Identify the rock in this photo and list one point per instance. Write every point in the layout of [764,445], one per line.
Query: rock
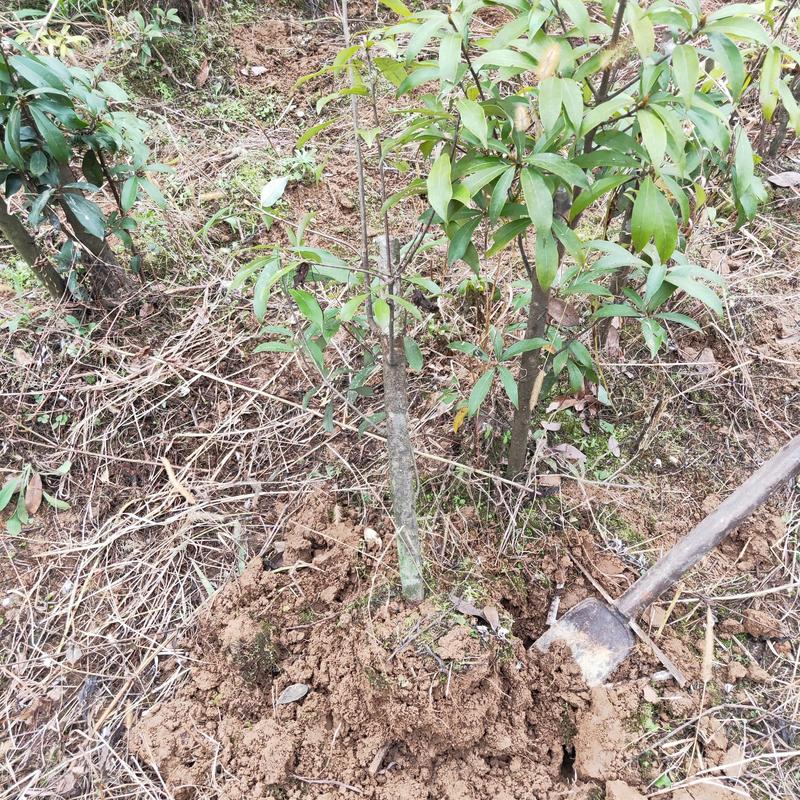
[710,790]
[600,739]
[736,671]
[619,790]
[328,594]
[762,625]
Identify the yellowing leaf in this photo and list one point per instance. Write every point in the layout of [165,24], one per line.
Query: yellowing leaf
[459,418]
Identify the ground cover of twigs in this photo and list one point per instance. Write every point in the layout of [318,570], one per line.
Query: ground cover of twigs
[216,614]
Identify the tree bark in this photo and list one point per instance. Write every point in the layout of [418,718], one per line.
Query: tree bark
[110,284]
[402,474]
[530,364]
[17,235]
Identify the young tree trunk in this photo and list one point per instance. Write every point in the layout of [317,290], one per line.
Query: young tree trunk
[402,469]
[402,473]
[530,364]
[17,235]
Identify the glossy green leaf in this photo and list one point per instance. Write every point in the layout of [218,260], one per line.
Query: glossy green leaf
[768,82]
[480,390]
[153,192]
[686,69]
[38,163]
[546,259]
[500,193]
[309,307]
[89,216]
[440,188]
[571,174]
[382,314]
[538,199]
[413,354]
[654,135]
[54,140]
[449,57]
[729,57]
[550,98]
[350,308]
[473,119]
[129,193]
[653,218]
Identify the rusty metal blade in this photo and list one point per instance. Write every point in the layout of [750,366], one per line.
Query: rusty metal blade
[597,635]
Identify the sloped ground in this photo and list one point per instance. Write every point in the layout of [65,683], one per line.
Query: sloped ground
[114,685]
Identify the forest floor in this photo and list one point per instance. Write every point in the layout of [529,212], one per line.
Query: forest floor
[208,620]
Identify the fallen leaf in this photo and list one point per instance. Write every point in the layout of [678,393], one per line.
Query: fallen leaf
[551,426]
[73,654]
[465,607]
[22,358]
[209,197]
[785,179]
[562,313]
[491,616]
[569,452]
[33,493]
[707,361]
[292,693]
[372,539]
[613,446]
[202,75]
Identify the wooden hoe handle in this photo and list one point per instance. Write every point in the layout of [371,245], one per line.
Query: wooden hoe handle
[785,464]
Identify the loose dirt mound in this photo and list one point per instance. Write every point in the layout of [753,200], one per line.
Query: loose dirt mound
[401,702]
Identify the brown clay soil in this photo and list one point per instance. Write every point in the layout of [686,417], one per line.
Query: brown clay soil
[402,702]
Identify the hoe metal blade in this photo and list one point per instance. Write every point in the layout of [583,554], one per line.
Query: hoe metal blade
[597,635]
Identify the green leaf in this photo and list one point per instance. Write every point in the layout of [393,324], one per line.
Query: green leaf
[449,57]
[653,218]
[473,119]
[413,354]
[576,11]
[87,213]
[681,319]
[313,131]
[686,70]
[572,101]
[350,308]
[729,57]
[595,192]
[263,285]
[153,192]
[500,193]
[616,310]
[423,35]
[480,390]
[11,138]
[113,91]
[697,290]
[743,163]
[382,314]
[602,113]
[35,73]
[538,200]
[38,163]
[7,492]
[642,29]
[550,99]
[14,526]
[509,384]
[54,140]
[274,347]
[309,307]
[440,188]
[546,259]
[571,174]
[768,82]
[478,179]
[654,135]
[130,191]
[397,6]
[740,27]
[506,233]
[91,168]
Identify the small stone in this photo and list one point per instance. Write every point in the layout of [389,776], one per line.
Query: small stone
[619,790]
